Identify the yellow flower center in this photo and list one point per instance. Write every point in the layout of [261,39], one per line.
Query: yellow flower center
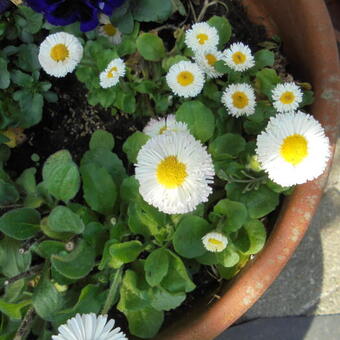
[185,78]
[287,97]
[109,29]
[294,149]
[59,52]
[171,173]
[239,58]
[202,38]
[113,70]
[211,59]
[216,244]
[163,129]
[240,100]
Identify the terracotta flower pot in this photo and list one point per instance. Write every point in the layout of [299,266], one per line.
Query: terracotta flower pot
[309,43]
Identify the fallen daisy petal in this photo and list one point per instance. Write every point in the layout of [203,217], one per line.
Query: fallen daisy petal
[159,126]
[89,327]
[60,53]
[174,171]
[293,149]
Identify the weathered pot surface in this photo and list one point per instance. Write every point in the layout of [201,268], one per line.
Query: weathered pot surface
[309,42]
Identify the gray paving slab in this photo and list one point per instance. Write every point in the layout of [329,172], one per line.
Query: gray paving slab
[287,328]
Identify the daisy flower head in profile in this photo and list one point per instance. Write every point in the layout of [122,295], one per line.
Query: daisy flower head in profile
[110,76]
[174,171]
[239,57]
[159,126]
[201,36]
[293,149]
[287,97]
[108,30]
[60,53]
[89,327]
[206,61]
[215,242]
[185,79]
[239,99]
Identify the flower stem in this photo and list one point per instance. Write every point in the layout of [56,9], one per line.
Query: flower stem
[31,272]
[25,325]
[117,278]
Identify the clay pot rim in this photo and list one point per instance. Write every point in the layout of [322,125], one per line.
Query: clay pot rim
[299,208]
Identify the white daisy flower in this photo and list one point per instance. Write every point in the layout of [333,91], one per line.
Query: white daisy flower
[293,149]
[158,126]
[238,57]
[206,61]
[239,99]
[185,79]
[174,171]
[215,242]
[201,36]
[89,327]
[110,76]
[287,97]
[60,53]
[108,30]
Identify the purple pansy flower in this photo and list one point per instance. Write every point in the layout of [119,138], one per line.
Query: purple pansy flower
[4,5]
[65,12]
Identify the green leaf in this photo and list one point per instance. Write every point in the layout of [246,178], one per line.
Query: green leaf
[235,212]
[12,262]
[161,299]
[129,189]
[307,99]
[124,252]
[264,58]
[13,310]
[90,300]
[8,193]
[27,181]
[168,62]
[109,161]
[100,190]
[46,299]
[21,78]
[228,257]
[156,266]
[260,202]
[200,119]
[20,224]
[150,46]
[223,27]
[61,176]
[62,219]
[31,105]
[152,10]
[48,248]
[177,279]
[144,320]
[227,146]
[28,57]
[267,79]
[34,19]
[102,139]
[4,74]
[187,239]
[257,236]
[133,144]
[76,264]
